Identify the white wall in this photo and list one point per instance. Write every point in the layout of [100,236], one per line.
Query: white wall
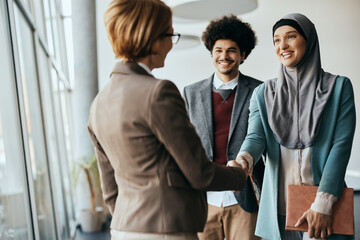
[337,24]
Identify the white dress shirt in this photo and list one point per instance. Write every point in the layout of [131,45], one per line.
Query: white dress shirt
[145,67]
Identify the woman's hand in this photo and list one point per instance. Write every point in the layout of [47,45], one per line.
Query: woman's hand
[319,225]
[244,163]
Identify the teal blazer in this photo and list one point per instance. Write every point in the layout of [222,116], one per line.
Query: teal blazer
[330,152]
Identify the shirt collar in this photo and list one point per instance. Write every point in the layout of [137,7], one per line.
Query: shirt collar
[218,84]
[146,68]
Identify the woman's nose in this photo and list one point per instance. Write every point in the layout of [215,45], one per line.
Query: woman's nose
[283,45]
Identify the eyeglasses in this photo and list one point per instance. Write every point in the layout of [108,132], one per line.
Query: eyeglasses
[174,37]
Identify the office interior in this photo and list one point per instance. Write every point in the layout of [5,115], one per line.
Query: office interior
[55,57]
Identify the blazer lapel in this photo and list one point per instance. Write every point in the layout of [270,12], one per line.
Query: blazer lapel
[242,92]
[206,97]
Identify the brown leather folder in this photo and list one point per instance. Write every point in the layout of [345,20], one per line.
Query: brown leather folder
[300,198]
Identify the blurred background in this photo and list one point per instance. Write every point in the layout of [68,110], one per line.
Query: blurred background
[55,57]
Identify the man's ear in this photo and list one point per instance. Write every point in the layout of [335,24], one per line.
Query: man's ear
[242,57]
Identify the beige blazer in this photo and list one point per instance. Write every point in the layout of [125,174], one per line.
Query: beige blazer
[152,165]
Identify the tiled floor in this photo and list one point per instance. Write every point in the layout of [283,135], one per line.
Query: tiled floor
[105,234]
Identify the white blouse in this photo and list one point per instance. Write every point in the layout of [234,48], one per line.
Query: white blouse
[295,169]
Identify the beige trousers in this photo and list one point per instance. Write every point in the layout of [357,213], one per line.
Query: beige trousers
[232,223]
[117,235]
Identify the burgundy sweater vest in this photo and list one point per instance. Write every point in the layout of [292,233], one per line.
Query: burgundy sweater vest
[222,110]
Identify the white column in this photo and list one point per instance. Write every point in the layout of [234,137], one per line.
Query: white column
[85,72]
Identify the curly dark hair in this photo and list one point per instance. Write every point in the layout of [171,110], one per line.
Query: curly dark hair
[230,27]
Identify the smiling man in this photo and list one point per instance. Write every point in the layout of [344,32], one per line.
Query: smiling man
[218,107]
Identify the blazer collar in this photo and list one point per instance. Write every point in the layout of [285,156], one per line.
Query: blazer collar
[240,98]
[129,68]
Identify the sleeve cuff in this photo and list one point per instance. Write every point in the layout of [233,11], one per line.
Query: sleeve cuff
[248,158]
[323,203]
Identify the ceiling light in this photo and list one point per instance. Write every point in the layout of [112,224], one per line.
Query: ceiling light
[206,10]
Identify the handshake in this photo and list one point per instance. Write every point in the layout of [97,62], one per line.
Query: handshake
[240,162]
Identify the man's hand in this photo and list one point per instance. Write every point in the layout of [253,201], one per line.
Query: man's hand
[319,225]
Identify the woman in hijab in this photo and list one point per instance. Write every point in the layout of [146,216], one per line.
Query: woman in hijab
[304,121]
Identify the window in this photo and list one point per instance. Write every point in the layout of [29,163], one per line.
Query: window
[36,200]
[15,221]
[33,134]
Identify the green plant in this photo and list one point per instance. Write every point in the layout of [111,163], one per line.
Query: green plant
[90,168]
